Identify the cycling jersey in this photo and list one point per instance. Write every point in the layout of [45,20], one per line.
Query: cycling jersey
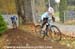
[46,15]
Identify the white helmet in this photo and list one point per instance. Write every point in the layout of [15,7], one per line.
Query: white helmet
[50,10]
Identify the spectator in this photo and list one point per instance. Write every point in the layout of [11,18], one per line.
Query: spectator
[14,19]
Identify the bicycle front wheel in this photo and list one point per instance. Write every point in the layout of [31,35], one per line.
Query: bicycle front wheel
[55,33]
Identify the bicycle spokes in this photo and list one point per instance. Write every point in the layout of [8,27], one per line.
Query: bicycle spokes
[55,33]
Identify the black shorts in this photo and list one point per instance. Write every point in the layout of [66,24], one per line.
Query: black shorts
[13,22]
[45,20]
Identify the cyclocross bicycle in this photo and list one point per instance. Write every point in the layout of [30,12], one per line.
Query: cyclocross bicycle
[48,30]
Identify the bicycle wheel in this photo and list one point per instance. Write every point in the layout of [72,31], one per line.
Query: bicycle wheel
[55,33]
[39,31]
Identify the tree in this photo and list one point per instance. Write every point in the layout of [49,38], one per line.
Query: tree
[24,10]
[62,9]
[3,26]
[7,7]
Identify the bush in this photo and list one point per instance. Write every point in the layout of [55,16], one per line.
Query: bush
[3,25]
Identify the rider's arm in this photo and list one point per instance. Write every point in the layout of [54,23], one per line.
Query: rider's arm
[53,18]
[51,11]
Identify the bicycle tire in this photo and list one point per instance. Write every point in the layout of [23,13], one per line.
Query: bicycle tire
[39,32]
[54,33]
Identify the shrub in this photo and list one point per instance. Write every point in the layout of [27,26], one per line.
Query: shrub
[3,25]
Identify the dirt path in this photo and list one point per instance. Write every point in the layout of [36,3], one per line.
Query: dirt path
[20,38]
[66,29]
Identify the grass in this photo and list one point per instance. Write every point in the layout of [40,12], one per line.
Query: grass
[70,22]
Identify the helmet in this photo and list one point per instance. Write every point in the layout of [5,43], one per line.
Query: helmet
[50,10]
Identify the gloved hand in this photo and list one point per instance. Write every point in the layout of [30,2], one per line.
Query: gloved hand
[53,18]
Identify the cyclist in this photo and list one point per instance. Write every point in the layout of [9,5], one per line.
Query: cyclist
[48,16]
[13,19]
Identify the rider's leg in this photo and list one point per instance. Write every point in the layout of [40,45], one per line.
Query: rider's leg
[15,24]
[43,23]
[46,29]
[12,23]
[46,33]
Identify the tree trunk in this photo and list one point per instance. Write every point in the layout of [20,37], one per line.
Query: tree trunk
[24,10]
[19,9]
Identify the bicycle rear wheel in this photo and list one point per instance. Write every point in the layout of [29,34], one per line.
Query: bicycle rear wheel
[39,32]
[55,33]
